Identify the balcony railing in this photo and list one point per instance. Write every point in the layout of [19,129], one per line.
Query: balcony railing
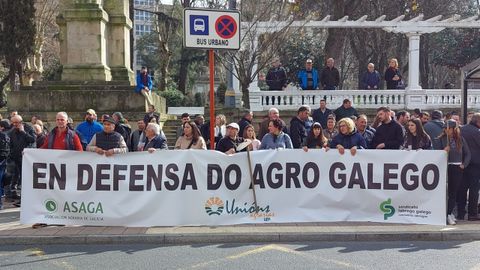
[426,99]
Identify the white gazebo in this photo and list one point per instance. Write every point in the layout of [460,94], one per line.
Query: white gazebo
[413,97]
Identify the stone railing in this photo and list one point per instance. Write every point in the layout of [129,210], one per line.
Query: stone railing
[426,99]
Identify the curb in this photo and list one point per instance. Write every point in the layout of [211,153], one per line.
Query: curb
[219,238]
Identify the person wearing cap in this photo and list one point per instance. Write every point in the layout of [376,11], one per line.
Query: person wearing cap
[298,131]
[434,127]
[276,76]
[144,85]
[308,77]
[61,137]
[108,142]
[88,128]
[459,157]
[330,77]
[228,144]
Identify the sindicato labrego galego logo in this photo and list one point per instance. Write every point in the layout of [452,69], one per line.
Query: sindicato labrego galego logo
[387,209]
[214,206]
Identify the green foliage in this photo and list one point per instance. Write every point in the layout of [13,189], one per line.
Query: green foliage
[221,89]
[199,100]
[18,31]
[298,49]
[455,48]
[173,97]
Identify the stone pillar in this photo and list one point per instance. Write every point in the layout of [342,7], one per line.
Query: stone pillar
[118,40]
[84,55]
[254,84]
[413,61]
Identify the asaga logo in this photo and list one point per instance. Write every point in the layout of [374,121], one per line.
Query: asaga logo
[214,206]
[51,205]
[387,209]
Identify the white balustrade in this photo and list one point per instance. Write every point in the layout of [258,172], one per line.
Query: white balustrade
[428,99]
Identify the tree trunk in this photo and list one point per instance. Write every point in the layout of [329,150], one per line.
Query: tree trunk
[183,71]
[165,56]
[11,73]
[245,94]
[424,68]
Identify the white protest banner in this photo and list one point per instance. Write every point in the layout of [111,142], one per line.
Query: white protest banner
[196,187]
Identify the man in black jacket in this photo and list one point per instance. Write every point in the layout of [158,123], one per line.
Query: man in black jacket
[245,121]
[471,175]
[228,144]
[330,77]
[276,76]
[321,114]
[389,134]
[298,132]
[21,136]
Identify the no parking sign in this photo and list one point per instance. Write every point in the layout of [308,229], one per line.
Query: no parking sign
[211,29]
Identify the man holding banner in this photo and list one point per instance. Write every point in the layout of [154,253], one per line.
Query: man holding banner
[108,142]
[61,137]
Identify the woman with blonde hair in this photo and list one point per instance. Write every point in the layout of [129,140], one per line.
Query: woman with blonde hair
[348,137]
[392,75]
[220,127]
[249,133]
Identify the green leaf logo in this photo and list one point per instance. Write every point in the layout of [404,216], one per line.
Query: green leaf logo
[51,205]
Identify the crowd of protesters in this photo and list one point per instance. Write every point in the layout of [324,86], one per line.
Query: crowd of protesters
[342,129]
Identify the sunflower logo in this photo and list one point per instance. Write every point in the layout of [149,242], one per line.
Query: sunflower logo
[214,206]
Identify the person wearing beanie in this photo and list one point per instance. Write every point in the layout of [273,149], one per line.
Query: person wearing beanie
[434,127]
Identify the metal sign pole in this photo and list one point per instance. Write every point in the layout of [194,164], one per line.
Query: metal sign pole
[211,60]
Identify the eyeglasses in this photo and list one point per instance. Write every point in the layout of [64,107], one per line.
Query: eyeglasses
[342,125]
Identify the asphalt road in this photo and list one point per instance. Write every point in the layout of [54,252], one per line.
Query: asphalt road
[352,255]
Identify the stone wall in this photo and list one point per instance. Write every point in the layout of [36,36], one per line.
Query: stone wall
[45,99]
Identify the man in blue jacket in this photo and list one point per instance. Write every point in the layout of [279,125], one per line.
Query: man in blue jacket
[88,128]
[308,77]
[144,85]
[371,78]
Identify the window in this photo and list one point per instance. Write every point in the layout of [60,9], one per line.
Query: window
[144,2]
[141,29]
[141,15]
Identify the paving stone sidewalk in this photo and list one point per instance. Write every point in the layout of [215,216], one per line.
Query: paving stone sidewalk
[12,232]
